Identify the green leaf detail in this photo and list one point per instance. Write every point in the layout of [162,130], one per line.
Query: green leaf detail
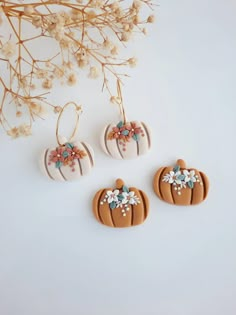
[69,145]
[190,184]
[135,137]
[120,197]
[120,124]
[65,154]
[58,164]
[112,205]
[176,168]
[181,177]
[125,189]
[125,132]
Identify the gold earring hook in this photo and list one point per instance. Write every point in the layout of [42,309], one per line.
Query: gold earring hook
[78,110]
[120,102]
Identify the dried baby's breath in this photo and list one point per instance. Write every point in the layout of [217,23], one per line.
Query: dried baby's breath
[87,34]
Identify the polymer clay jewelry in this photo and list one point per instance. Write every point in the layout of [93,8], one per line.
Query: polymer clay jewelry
[125,139]
[181,186]
[69,160]
[120,207]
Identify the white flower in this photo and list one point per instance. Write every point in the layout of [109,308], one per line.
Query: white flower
[189,176]
[130,198]
[93,73]
[172,177]
[182,185]
[8,49]
[112,196]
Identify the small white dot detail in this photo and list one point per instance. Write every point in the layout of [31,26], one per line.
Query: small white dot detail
[179,193]
[101,203]
[124,214]
[175,188]
[201,184]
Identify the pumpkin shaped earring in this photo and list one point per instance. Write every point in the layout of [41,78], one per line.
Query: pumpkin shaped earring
[125,139]
[120,207]
[69,160]
[181,186]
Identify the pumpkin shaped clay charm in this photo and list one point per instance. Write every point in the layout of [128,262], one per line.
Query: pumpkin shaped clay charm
[181,186]
[68,161]
[120,207]
[126,140]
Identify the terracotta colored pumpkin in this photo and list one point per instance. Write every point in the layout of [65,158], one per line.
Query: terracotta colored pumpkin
[126,140]
[120,207]
[67,162]
[181,186]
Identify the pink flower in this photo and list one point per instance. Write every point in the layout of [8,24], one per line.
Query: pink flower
[57,155]
[75,153]
[116,132]
[133,129]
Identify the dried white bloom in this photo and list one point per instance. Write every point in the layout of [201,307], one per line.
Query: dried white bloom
[136,19]
[132,62]
[125,36]
[14,133]
[137,4]
[41,73]
[24,130]
[71,79]
[107,43]
[28,10]
[144,31]
[93,73]
[151,19]
[114,50]
[126,27]
[82,59]
[47,84]
[37,21]
[37,108]
[8,49]
[18,114]
[58,72]
[23,82]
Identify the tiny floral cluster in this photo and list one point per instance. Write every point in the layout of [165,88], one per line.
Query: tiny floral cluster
[123,198]
[124,132]
[65,155]
[181,179]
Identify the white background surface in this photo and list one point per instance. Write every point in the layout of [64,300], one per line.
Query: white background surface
[57,259]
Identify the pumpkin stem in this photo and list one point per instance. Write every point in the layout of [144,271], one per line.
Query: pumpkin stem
[181,163]
[119,183]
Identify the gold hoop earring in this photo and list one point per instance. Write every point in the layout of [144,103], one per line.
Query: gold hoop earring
[125,139]
[70,159]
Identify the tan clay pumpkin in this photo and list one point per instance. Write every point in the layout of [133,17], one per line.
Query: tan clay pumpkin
[126,140]
[181,186]
[120,207]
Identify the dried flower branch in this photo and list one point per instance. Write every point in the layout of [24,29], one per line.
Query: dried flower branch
[87,35]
